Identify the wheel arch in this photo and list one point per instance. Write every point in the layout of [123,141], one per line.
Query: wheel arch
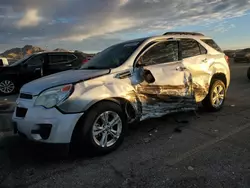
[220,76]
[123,102]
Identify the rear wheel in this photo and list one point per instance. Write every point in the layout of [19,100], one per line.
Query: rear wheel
[7,87]
[216,96]
[248,73]
[103,128]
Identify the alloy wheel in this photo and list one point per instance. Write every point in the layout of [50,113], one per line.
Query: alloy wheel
[107,129]
[7,86]
[218,96]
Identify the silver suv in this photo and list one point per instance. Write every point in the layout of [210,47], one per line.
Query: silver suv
[125,83]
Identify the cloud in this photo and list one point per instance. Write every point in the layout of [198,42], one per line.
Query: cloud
[123,2]
[30,19]
[82,22]
[104,28]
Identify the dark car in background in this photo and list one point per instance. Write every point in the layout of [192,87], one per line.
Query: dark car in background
[241,58]
[37,65]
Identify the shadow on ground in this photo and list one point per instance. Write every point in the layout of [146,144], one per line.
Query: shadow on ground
[16,151]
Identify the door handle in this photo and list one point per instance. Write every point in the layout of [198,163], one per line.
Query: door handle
[204,60]
[37,69]
[69,65]
[180,68]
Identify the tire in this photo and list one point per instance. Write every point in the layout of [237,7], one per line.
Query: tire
[248,73]
[208,101]
[84,134]
[7,87]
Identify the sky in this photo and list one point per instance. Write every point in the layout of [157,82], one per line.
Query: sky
[93,25]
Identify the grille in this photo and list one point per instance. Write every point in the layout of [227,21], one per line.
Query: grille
[25,96]
[21,112]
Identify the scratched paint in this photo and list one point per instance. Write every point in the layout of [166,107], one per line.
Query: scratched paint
[147,100]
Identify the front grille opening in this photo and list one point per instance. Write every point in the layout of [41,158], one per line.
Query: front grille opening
[21,112]
[25,96]
[44,131]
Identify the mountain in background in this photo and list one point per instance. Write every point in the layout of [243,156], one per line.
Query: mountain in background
[18,53]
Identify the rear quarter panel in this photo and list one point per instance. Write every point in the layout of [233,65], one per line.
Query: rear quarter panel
[218,64]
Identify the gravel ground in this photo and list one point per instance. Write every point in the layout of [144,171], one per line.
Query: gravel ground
[211,150]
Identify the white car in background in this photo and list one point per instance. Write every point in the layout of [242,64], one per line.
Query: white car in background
[125,83]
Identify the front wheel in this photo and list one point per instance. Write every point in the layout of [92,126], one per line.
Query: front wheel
[103,128]
[216,96]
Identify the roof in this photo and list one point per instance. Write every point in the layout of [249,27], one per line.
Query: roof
[183,33]
[181,36]
[168,35]
[133,40]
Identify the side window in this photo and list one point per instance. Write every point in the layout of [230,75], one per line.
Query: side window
[54,59]
[163,52]
[189,48]
[202,49]
[35,61]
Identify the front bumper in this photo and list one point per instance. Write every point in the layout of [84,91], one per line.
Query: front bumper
[46,125]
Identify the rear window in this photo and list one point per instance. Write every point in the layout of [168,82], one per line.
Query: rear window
[80,56]
[212,43]
[58,58]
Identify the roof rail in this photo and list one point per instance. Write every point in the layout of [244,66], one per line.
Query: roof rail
[183,33]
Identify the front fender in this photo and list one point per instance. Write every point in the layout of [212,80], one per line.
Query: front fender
[90,92]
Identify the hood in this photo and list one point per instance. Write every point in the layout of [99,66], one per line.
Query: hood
[67,77]
[8,69]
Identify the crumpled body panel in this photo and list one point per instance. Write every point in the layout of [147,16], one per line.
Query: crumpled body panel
[159,100]
[148,100]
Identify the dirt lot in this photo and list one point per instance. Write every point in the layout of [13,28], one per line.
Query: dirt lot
[211,150]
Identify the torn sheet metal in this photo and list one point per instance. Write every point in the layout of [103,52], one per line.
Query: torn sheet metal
[200,68]
[154,106]
[171,92]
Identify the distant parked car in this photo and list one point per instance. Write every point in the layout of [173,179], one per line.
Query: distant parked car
[241,58]
[37,65]
[3,62]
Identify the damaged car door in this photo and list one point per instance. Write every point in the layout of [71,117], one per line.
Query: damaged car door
[194,58]
[166,85]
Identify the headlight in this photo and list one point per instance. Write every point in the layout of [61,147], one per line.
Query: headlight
[54,96]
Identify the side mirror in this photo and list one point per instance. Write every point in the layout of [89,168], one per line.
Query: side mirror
[140,75]
[148,76]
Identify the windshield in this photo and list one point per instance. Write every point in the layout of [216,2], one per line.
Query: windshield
[113,56]
[20,60]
